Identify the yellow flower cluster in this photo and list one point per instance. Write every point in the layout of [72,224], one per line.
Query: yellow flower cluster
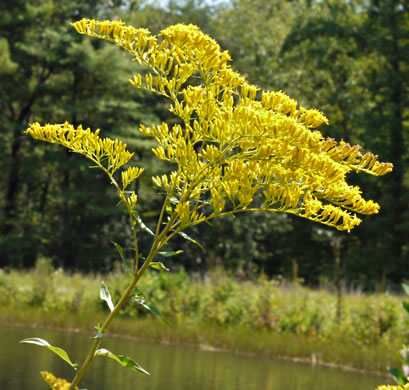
[84,142]
[56,383]
[237,148]
[389,387]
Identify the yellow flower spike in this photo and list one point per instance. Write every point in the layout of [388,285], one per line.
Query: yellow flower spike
[83,142]
[56,383]
[132,199]
[130,175]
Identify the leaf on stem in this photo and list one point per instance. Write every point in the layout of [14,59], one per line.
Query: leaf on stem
[404,355]
[158,265]
[121,253]
[43,343]
[186,237]
[397,375]
[138,219]
[149,306]
[122,360]
[106,296]
[170,254]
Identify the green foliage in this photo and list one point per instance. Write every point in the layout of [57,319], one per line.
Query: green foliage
[57,350]
[122,360]
[221,300]
[401,376]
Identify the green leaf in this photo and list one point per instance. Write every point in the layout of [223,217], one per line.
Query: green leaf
[186,237]
[397,375]
[43,343]
[170,254]
[122,360]
[121,253]
[106,296]
[158,265]
[404,354]
[405,288]
[149,306]
[406,306]
[142,225]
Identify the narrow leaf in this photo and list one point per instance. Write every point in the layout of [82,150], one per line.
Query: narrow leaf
[122,360]
[158,265]
[397,375]
[121,253]
[43,343]
[186,237]
[404,354]
[142,225]
[170,254]
[149,306]
[405,288]
[406,306]
[106,296]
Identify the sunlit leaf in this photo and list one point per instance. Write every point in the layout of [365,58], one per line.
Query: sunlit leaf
[138,219]
[405,288]
[122,360]
[43,343]
[149,306]
[159,265]
[404,354]
[186,237]
[121,253]
[106,296]
[170,254]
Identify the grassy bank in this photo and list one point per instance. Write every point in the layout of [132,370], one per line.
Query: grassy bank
[261,317]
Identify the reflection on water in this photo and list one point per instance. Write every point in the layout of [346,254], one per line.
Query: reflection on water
[171,367]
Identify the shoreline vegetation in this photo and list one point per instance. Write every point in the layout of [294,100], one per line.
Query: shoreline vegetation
[265,318]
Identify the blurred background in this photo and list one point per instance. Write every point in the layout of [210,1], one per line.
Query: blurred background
[348,58]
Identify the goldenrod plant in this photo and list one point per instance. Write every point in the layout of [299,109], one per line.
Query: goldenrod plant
[235,149]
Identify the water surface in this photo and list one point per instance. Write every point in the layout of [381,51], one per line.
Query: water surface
[171,367]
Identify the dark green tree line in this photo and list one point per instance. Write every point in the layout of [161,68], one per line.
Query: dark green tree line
[347,58]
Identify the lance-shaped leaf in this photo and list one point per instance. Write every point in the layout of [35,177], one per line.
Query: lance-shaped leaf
[149,306]
[404,355]
[121,253]
[106,296]
[405,288]
[124,361]
[170,254]
[43,343]
[397,375]
[159,265]
[138,219]
[186,237]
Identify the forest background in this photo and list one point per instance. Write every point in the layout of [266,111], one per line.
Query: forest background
[348,58]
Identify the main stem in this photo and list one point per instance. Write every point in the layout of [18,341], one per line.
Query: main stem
[155,248]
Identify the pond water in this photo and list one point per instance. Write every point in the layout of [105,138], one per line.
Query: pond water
[171,367]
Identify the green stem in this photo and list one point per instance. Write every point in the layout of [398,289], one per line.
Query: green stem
[124,298]
[156,246]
